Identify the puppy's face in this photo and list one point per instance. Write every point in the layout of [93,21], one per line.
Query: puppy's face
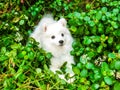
[56,34]
[57,39]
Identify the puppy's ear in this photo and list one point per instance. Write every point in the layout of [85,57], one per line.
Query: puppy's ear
[44,27]
[63,22]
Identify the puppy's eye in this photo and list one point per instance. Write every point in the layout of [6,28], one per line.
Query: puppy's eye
[62,35]
[53,37]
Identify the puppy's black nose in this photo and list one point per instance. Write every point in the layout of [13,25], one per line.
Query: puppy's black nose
[61,41]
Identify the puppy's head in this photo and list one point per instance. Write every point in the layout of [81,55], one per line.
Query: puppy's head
[56,33]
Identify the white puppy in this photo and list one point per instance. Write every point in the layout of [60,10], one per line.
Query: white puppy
[55,37]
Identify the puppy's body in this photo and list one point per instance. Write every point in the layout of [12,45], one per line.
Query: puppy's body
[54,37]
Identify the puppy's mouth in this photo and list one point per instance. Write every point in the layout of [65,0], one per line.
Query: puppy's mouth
[61,44]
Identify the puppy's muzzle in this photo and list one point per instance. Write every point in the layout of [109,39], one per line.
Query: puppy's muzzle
[61,42]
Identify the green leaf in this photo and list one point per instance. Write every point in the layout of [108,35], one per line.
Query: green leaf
[38,70]
[31,55]
[108,80]
[103,17]
[24,52]
[41,58]
[45,67]
[75,44]
[73,29]
[83,59]
[76,70]
[87,18]
[88,49]
[104,68]
[97,76]
[100,30]
[94,30]
[77,14]
[80,30]
[104,9]
[99,49]
[15,46]
[110,40]
[81,50]
[34,13]
[37,83]
[103,1]
[42,86]
[36,9]
[81,87]
[79,65]
[84,73]
[116,86]
[91,23]
[49,55]
[112,55]
[19,72]
[21,78]
[91,54]
[72,52]
[87,40]
[3,58]
[112,64]
[117,65]
[95,86]
[78,53]
[108,14]
[88,6]
[116,11]
[13,53]
[98,15]
[20,55]
[119,17]
[3,50]
[114,24]
[116,32]
[95,39]
[118,46]
[89,66]
[21,22]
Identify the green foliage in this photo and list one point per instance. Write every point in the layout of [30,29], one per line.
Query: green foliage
[96,49]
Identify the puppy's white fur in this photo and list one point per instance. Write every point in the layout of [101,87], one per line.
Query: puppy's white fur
[49,33]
